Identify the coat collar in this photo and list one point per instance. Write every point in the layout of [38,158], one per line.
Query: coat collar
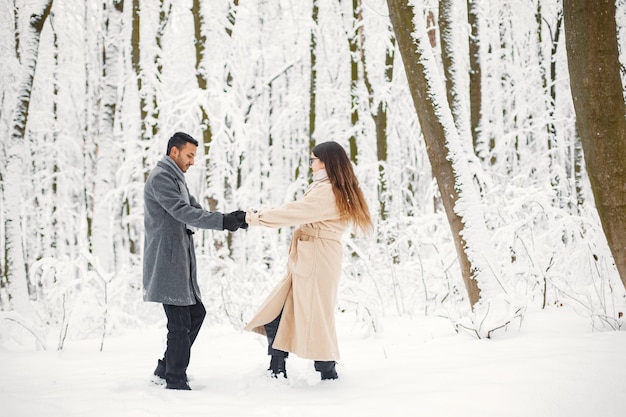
[318,178]
[320,175]
[169,164]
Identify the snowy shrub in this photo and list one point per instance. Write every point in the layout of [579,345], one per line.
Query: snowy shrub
[76,299]
[491,316]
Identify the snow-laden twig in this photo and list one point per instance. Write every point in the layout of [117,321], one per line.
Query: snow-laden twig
[490,316]
[29,327]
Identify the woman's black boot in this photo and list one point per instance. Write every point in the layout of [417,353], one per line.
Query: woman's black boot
[277,366]
[277,363]
[327,369]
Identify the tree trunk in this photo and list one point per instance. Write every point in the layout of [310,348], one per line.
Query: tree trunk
[148,124]
[313,80]
[550,83]
[92,47]
[16,277]
[447,23]
[201,77]
[475,73]
[148,101]
[353,41]
[378,110]
[105,219]
[431,112]
[137,65]
[594,68]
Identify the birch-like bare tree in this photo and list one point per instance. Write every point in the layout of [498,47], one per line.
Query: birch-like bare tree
[313,79]
[200,29]
[448,21]
[355,45]
[148,68]
[378,108]
[594,68]
[446,155]
[27,50]
[475,96]
[105,218]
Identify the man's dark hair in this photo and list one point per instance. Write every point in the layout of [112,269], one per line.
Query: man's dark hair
[179,139]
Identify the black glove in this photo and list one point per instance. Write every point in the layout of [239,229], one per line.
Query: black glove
[232,221]
[241,216]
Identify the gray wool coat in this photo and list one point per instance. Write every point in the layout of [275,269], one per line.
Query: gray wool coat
[169,262]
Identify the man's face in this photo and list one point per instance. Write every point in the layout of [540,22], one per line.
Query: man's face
[184,158]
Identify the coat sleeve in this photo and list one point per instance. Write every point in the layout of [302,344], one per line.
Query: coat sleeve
[315,206]
[194,202]
[166,193]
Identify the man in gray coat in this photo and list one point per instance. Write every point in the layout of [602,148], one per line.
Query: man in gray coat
[169,264]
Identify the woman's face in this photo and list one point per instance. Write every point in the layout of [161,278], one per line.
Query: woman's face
[316,163]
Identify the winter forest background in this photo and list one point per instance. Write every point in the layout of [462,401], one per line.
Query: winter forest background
[91,92]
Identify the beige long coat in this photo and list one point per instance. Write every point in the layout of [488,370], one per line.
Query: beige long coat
[307,294]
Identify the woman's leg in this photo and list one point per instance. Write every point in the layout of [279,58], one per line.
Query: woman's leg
[327,369]
[277,363]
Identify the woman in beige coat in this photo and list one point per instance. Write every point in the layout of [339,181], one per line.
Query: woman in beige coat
[298,315]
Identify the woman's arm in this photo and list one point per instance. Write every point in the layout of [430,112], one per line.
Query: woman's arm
[317,205]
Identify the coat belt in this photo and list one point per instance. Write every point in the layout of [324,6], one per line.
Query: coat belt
[320,233]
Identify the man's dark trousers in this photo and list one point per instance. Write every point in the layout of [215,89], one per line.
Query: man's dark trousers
[183,325]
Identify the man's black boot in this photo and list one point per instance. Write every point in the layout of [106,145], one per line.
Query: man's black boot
[180,385]
[159,373]
[160,369]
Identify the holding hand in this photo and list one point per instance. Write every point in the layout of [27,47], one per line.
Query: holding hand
[235,220]
[241,216]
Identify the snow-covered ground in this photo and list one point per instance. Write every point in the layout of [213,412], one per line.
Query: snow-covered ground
[555,366]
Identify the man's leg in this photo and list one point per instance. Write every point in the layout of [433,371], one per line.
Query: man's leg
[178,345]
[198,312]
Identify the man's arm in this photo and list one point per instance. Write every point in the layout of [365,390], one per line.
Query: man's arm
[166,192]
[194,202]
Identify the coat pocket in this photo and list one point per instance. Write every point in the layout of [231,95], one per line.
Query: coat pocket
[305,258]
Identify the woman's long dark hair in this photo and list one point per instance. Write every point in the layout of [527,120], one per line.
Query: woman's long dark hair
[348,194]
